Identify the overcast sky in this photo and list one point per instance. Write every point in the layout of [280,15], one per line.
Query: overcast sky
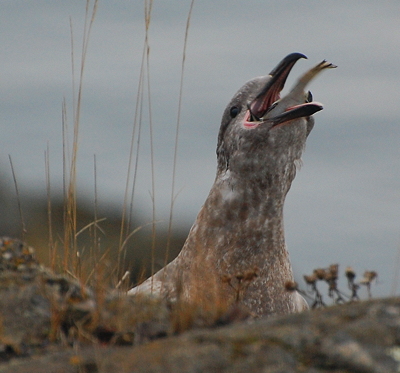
[344,205]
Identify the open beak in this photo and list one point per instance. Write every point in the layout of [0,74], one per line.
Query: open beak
[268,106]
[299,111]
[271,92]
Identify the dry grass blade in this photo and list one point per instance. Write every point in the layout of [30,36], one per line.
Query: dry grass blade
[95,246]
[137,229]
[95,268]
[52,247]
[124,277]
[137,124]
[23,227]
[70,212]
[91,224]
[178,123]
[148,8]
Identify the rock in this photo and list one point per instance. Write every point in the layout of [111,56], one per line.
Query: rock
[52,324]
[358,337]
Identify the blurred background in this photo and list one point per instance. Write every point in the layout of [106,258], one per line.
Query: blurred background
[344,205]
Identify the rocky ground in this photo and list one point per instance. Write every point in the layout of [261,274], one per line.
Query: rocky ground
[50,323]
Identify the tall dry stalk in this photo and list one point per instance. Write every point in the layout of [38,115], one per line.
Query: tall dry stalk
[52,247]
[71,253]
[153,190]
[178,124]
[126,224]
[144,79]
[23,226]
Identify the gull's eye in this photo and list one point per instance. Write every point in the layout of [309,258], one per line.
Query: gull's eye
[309,96]
[234,111]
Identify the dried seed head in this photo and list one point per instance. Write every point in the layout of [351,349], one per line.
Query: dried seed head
[334,270]
[350,274]
[370,275]
[330,277]
[319,273]
[291,286]
[311,279]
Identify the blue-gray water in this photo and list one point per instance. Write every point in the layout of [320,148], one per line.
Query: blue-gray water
[344,205]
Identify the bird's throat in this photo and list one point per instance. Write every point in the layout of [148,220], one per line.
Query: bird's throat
[242,220]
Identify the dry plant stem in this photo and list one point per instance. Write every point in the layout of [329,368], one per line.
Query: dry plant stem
[337,297]
[330,276]
[135,173]
[52,249]
[70,218]
[95,245]
[98,262]
[177,136]
[353,288]
[90,225]
[96,227]
[153,226]
[100,294]
[95,248]
[318,301]
[72,69]
[369,290]
[137,124]
[243,282]
[124,277]
[369,276]
[23,227]
[66,161]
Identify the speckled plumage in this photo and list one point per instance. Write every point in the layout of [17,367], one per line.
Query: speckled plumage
[239,230]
